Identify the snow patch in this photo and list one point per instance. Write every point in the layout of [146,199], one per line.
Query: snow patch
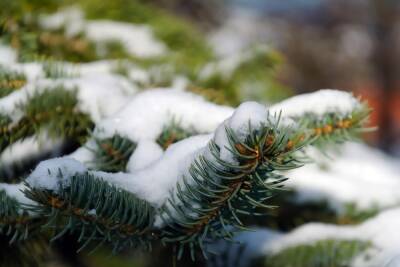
[145,153]
[85,153]
[318,103]
[28,146]
[138,40]
[360,175]
[99,96]
[52,173]
[144,117]
[248,114]
[7,55]
[15,191]
[381,231]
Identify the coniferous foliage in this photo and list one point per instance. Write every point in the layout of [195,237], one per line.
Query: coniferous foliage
[111,160]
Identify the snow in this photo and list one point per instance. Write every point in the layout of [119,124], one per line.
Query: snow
[52,173]
[32,70]
[85,153]
[395,262]
[240,30]
[7,55]
[248,114]
[152,183]
[360,175]
[139,75]
[155,182]
[227,65]
[381,231]
[318,103]
[153,174]
[28,146]
[144,117]
[72,18]
[99,96]
[145,153]
[15,191]
[138,40]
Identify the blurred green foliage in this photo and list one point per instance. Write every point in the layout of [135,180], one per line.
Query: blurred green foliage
[324,253]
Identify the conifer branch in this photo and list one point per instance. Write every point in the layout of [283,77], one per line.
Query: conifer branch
[10,81]
[54,110]
[15,221]
[96,211]
[321,253]
[112,154]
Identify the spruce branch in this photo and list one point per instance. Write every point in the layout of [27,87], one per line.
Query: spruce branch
[234,175]
[10,81]
[335,127]
[322,253]
[95,211]
[211,205]
[112,154]
[54,110]
[217,193]
[173,132]
[15,221]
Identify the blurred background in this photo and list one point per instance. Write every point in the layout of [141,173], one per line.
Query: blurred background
[230,51]
[351,45]
[347,44]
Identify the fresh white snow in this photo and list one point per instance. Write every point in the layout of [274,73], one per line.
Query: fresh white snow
[394,262]
[318,103]
[7,55]
[138,40]
[85,154]
[50,174]
[99,96]
[248,114]
[358,175]
[381,231]
[145,153]
[144,117]
[15,191]
[28,146]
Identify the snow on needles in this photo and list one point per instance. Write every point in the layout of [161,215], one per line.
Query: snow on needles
[318,103]
[138,40]
[145,153]
[52,173]
[15,191]
[155,181]
[7,55]
[248,114]
[359,175]
[152,183]
[99,96]
[144,117]
[381,231]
